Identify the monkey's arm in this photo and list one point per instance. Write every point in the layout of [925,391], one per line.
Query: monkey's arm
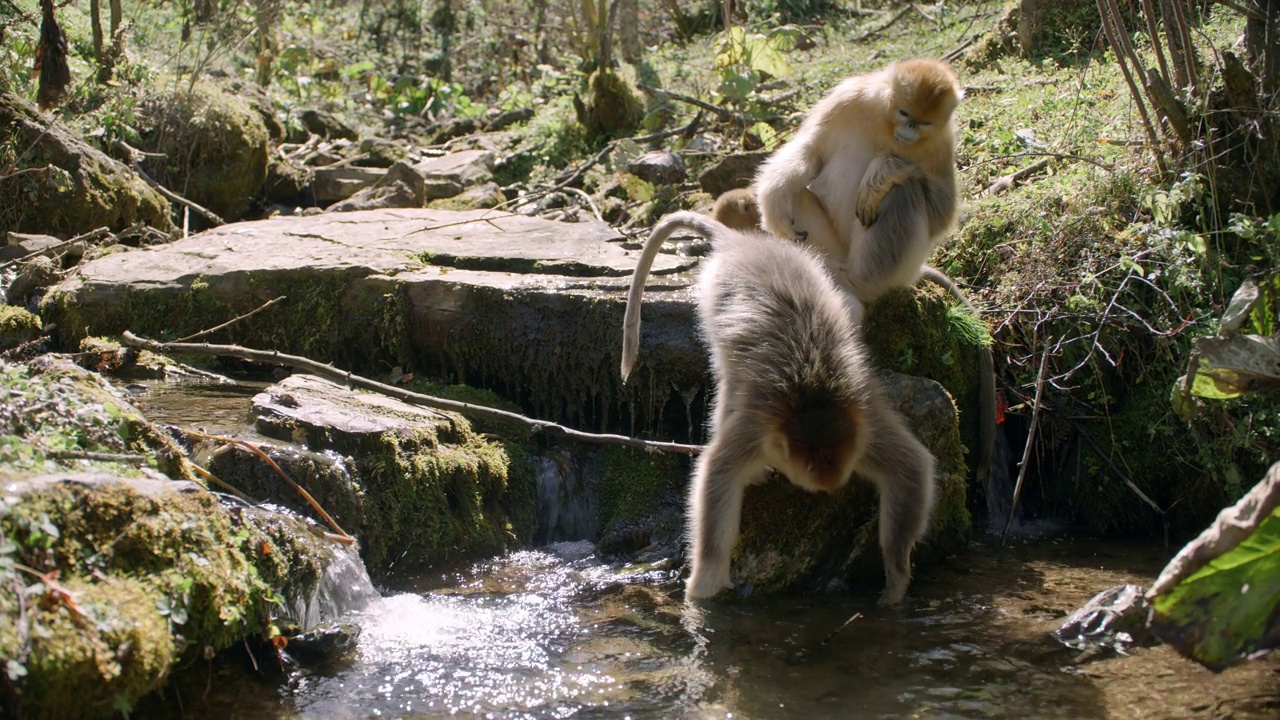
[884,172]
[726,466]
[784,175]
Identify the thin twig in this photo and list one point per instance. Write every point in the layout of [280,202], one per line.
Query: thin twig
[831,636]
[333,374]
[232,321]
[722,113]
[1006,182]
[87,237]
[901,13]
[1120,474]
[587,199]
[1031,438]
[279,471]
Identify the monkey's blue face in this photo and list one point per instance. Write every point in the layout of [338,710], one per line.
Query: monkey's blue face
[908,128]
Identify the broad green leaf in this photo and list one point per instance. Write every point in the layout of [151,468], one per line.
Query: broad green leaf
[1236,364]
[1226,610]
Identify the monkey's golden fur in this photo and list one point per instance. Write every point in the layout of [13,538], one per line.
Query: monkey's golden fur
[869,176]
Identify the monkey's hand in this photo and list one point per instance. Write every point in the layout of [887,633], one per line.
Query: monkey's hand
[884,172]
[777,207]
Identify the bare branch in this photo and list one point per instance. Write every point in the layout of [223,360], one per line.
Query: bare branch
[333,374]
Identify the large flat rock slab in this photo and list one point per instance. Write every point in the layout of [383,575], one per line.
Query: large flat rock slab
[529,307]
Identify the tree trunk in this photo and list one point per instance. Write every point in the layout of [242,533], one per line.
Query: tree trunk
[629,30]
[95,22]
[1262,44]
[117,15]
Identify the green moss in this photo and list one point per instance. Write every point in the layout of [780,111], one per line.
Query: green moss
[60,407]
[325,316]
[431,497]
[17,326]
[924,332]
[634,482]
[215,145]
[613,107]
[156,576]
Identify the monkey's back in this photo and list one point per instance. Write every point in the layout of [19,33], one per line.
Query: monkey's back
[770,310]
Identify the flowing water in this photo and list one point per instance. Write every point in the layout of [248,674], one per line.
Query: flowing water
[559,631]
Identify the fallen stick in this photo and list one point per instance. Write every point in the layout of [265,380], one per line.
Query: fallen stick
[332,373]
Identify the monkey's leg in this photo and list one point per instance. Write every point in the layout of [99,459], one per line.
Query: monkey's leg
[883,174]
[890,253]
[903,471]
[727,464]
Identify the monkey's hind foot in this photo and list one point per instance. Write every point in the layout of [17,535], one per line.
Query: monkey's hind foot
[705,582]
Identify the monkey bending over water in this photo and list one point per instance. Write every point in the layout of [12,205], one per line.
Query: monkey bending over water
[794,392]
[738,210]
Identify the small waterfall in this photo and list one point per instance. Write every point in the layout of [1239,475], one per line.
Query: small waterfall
[344,588]
[565,506]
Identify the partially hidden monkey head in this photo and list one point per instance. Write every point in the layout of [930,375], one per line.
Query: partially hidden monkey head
[925,94]
[737,209]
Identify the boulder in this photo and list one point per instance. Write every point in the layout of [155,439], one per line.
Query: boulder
[64,185]
[660,167]
[214,145]
[732,172]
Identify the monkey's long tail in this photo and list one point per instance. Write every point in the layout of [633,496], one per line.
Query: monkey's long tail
[700,224]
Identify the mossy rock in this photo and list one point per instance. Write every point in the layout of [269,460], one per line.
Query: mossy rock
[423,488]
[612,107]
[58,413]
[924,332]
[64,185]
[17,326]
[149,573]
[215,148]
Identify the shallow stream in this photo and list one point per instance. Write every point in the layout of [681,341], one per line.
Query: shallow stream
[559,631]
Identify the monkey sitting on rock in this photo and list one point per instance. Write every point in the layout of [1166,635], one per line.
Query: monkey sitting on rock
[869,180]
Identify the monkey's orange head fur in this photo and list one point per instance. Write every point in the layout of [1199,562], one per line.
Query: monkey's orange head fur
[925,94]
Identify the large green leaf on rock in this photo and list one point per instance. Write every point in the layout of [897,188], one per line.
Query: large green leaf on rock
[1218,601]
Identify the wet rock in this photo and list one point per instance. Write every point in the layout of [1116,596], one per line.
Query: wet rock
[423,486]
[455,128]
[71,187]
[325,644]
[181,578]
[1113,620]
[732,172]
[661,167]
[400,187]
[325,124]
